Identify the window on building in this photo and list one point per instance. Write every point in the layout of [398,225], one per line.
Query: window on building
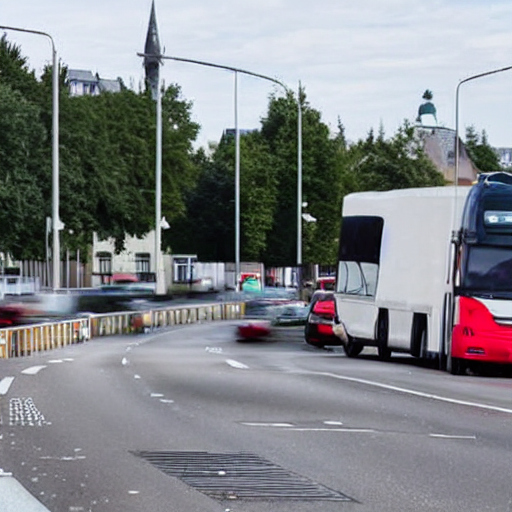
[104,262]
[142,262]
[184,268]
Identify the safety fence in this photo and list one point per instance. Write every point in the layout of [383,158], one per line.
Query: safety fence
[27,339]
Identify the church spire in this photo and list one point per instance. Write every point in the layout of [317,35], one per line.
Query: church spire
[152,48]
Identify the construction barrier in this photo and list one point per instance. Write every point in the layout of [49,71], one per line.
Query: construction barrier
[28,339]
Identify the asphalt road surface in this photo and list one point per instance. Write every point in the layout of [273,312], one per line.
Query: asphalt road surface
[188,419]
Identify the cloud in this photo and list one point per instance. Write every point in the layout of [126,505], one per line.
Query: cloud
[364,61]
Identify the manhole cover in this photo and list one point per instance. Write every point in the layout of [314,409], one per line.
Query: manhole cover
[238,476]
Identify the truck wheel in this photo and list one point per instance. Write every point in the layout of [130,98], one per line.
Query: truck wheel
[419,347]
[382,336]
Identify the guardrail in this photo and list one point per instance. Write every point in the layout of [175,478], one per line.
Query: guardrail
[27,339]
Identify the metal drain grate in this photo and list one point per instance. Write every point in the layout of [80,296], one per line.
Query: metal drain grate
[238,476]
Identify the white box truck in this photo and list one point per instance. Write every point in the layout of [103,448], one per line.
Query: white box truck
[428,271]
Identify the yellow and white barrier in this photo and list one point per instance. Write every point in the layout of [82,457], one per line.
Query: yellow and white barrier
[28,339]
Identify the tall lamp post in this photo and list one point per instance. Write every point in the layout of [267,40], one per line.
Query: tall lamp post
[56,224]
[457,145]
[237,152]
[152,59]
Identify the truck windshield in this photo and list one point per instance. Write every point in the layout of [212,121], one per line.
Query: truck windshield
[489,268]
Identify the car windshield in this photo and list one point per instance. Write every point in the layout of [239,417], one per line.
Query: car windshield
[489,268]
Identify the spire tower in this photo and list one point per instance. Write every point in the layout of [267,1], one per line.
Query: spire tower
[152,51]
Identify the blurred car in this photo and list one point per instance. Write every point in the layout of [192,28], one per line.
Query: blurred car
[320,321]
[254,330]
[291,314]
[203,284]
[263,316]
[11,315]
[250,282]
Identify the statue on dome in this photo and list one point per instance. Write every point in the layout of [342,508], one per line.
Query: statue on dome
[427,111]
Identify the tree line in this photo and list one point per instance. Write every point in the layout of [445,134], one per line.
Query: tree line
[107,178]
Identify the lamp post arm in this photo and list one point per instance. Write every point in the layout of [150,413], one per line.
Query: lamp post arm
[465,80]
[219,66]
[237,144]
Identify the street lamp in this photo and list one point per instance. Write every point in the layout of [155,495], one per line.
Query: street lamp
[55,155]
[237,152]
[457,146]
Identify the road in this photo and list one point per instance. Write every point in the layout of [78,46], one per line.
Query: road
[248,427]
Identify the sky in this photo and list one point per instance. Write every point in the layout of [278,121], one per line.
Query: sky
[364,63]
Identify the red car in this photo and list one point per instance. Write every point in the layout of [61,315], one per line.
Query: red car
[11,315]
[320,321]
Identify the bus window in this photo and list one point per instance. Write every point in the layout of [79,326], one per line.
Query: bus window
[488,269]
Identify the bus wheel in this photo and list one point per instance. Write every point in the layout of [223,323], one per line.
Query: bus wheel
[456,366]
[352,348]
[382,336]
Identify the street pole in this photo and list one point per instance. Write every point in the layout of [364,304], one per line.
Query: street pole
[55,155]
[160,285]
[237,155]
[237,190]
[299,186]
[457,148]
[457,142]
[152,56]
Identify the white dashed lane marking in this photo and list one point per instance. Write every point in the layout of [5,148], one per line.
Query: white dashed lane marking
[5,384]
[236,364]
[33,370]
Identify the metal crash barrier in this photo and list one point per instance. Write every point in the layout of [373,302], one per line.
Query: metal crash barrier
[27,339]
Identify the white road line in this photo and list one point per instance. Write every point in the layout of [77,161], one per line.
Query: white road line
[353,430]
[236,364]
[5,384]
[413,392]
[447,436]
[33,370]
[279,425]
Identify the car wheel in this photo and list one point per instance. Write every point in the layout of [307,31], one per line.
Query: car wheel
[352,348]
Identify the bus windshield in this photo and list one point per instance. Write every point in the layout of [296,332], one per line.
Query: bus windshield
[488,269]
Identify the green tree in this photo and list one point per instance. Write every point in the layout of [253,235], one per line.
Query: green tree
[320,183]
[108,162]
[485,158]
[380,164]
[207,226]
[22,137]
[14,70]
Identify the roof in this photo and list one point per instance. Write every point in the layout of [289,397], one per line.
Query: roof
[109,85]
[439,145]
[81,75]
